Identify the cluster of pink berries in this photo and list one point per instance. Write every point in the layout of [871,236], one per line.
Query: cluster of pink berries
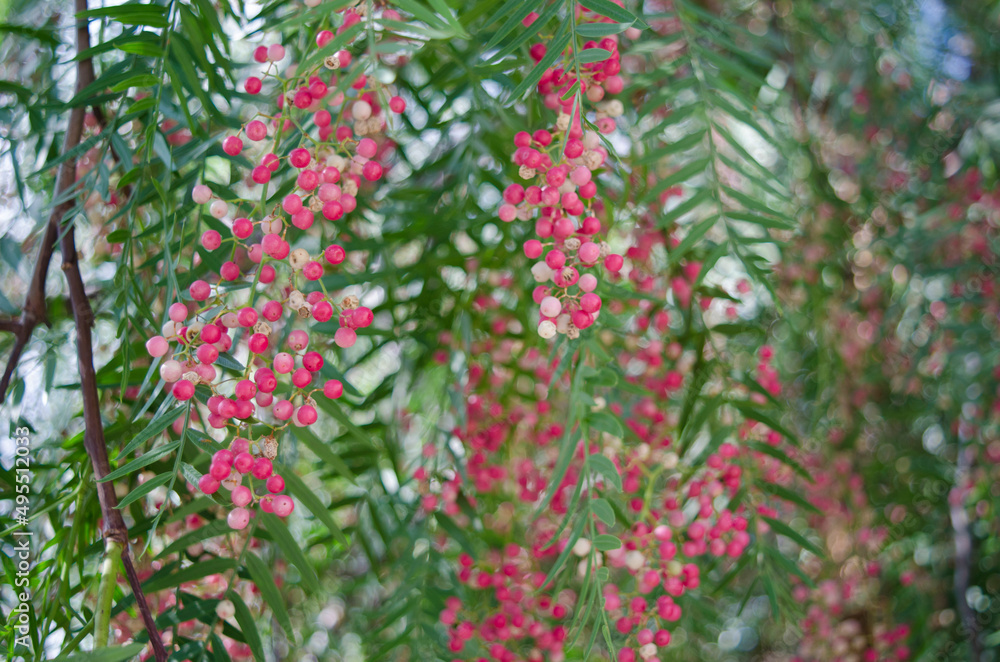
[559,165]
[512,443]
[334,145]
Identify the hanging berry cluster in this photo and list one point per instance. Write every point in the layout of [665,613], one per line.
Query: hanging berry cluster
[324,147]
[559,165]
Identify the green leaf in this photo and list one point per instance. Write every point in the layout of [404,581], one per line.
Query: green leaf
[605,543]
[212,529]
[614,12]
[138,463]
[247,625]
[605,421]
[555,49]
[263,577]
[167,579]
[116,654]
[308,498]
[567,550]
[781,456]
[694,235]
[290,547]
[603,510]
[601,29]
[153,15]
[783,529]
[515,19]
[155,427]
[145,488]
[229,362]
[788,495]
[589,55]
[325,454]
[606,468]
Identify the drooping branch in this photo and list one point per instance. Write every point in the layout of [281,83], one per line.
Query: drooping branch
[115,530]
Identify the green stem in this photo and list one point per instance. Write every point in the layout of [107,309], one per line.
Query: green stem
[105,592]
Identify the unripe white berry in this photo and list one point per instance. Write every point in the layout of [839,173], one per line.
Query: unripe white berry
[547,329]
[634,560]
[361,110]
[298,259]
[541,272]
[225,610]
[271,225]
[219,208]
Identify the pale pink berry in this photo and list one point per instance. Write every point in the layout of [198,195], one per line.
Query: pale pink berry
[218,208]
[201,194]
[507,213]
[345,337]
[532,249]
[283,505]
[298,340]
[177,312]
[239,445]
[157,346]
[238,518]
[283,363]
[588,282]
[550,306]
[241,496]
[589,252]
[275,52]
[171,371]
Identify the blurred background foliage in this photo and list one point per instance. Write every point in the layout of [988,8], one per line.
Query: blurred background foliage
[875,127]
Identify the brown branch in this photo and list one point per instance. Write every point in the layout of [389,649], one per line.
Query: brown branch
[34,311]
[83,317]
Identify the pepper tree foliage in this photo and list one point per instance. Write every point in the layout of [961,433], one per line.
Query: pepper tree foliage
[778,439]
